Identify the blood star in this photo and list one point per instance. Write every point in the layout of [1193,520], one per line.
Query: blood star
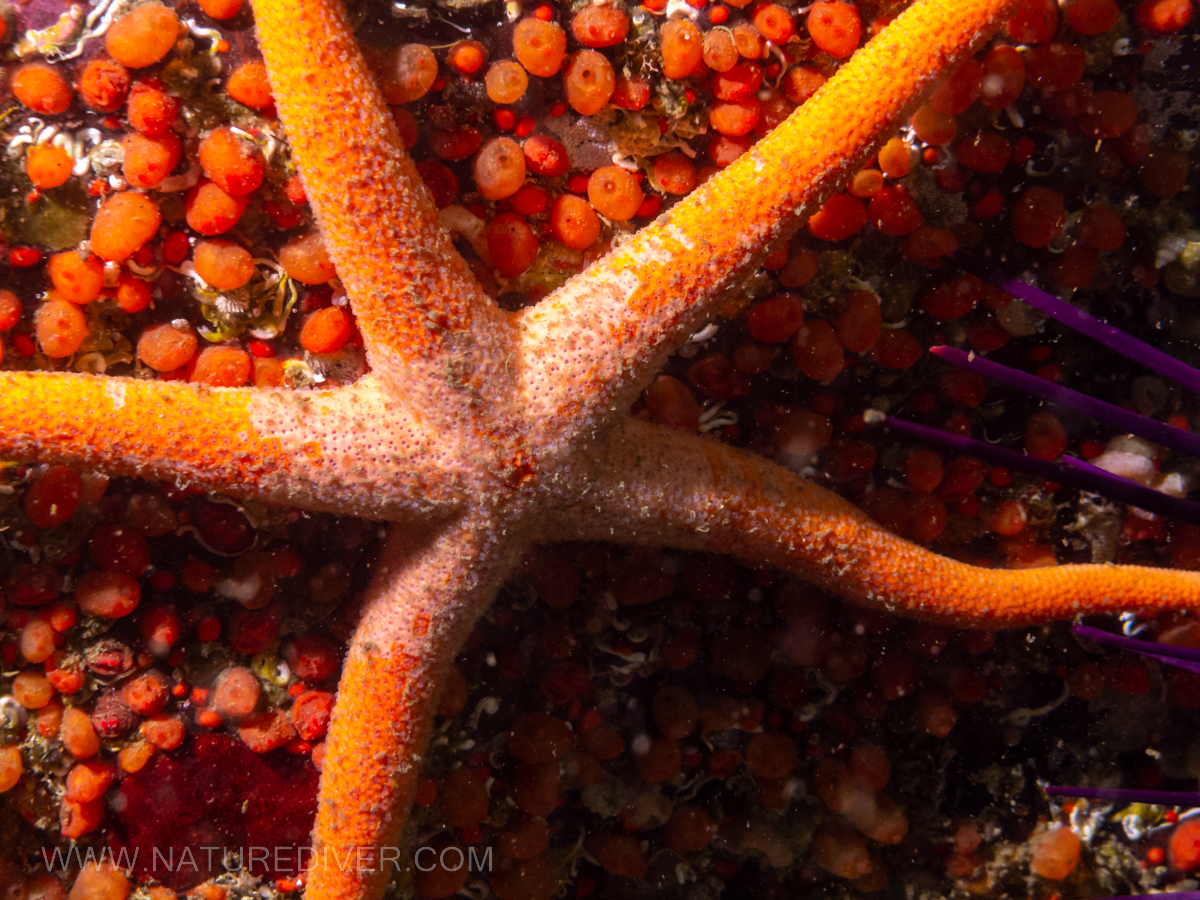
[479,433]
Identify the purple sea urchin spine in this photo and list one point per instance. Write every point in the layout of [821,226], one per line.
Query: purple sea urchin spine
[1151,430]
[1106,334]
[1181,657]
[1069,471]
[1127,491]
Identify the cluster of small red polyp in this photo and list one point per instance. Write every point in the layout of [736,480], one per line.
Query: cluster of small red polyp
[181,814]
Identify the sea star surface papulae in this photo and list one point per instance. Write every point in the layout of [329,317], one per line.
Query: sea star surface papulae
[479,433]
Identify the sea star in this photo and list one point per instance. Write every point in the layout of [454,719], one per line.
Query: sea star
[478,434]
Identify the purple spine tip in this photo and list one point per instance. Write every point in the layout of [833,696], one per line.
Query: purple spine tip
[1180,657]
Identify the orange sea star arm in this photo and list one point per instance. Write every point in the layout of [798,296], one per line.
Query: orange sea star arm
[167,430]
[652,485]
[316,449]
[430,586]
[602,336]
[413,295]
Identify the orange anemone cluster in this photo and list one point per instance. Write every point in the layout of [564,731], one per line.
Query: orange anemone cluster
[131,251]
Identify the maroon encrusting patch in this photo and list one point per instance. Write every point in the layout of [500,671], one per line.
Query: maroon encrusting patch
[216,793]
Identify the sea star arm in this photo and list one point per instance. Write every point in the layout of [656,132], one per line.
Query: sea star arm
[415,299]
[167,430]
[599,339]
[316,449]
[429,587]
[651,485]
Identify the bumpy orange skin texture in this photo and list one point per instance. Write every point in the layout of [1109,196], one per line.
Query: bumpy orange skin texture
[412,290]
[654,286]
[131,427]
[476,435]
[416,617]
[743,505]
